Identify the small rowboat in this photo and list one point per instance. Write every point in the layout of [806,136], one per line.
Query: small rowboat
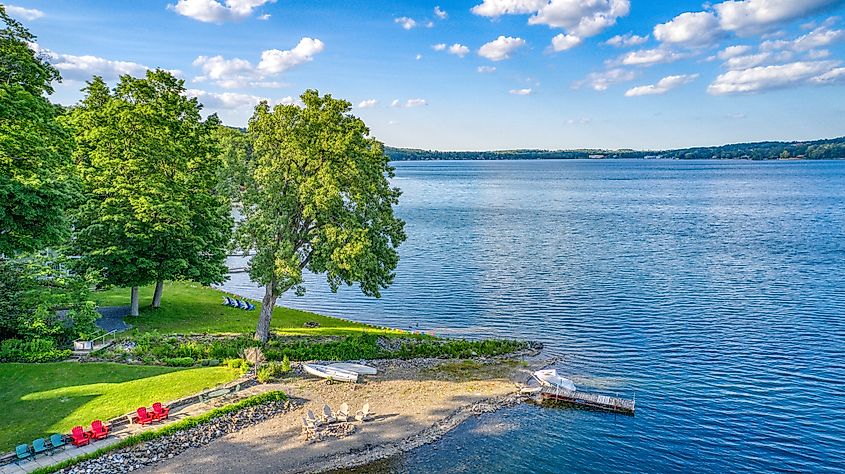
[331,373]
[358,368]
[550,378]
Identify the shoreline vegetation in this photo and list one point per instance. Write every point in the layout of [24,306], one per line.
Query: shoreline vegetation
[824,149]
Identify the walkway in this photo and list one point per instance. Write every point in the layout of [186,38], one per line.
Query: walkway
[111,318]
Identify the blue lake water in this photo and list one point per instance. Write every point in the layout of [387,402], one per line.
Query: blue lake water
[713,291]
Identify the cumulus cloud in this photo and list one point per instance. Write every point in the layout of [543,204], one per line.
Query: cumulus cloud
[224,100]
[754,15]
[82,68]
[458,50]
[562,42]
[237,72]
[410,103]
[500,48]
[526,91]
[581,18]
[406,22]
[439,47]
[486,69]
[601,81]
[626,40]
[751,60]
[818,38]
[648,57]
[663,86]
[734,51]
[439,13]
[25,13]
[762,78]
[693,28]
[213,11]
[368,104]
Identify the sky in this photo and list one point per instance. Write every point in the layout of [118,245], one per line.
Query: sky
[481,74]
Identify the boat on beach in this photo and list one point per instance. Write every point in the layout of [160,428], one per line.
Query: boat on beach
[331,373]
[358,368]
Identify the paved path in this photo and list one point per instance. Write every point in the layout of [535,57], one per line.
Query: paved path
[112,318]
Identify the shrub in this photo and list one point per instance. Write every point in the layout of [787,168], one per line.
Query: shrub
[179,361]
[285,364]
[270,371]
[36,350]
[236,363]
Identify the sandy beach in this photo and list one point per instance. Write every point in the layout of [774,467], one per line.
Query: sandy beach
[414,403]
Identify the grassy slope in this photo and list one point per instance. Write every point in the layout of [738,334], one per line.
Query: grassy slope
[192,308]
[40,399]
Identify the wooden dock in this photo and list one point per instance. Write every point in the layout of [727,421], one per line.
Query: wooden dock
[590,400]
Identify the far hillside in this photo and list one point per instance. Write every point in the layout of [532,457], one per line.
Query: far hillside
[830,149]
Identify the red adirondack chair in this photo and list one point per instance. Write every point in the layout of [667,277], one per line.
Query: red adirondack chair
[160,412]
[79,437]
[143,417]
[98,430]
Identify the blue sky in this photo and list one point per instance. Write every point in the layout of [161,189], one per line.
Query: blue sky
[482,74]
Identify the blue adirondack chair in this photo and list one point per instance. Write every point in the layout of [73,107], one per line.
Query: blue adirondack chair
[249,306]
[240,304]
[23,452]
[57,441]
[39,446]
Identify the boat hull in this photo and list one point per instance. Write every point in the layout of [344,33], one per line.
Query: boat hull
[330,373]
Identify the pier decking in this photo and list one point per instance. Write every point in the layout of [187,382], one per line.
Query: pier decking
[590,400]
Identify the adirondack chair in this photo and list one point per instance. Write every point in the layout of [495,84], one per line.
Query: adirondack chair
[343,413]
[227,301]
[160,412]
[39,446]
[79,437]
[143,417]
[328,416]
[249,306]
[57,441]
[23,452]
[98,430]
[364,413]
[313,419]
[239,304]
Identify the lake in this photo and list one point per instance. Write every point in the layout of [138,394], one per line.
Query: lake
[713,291]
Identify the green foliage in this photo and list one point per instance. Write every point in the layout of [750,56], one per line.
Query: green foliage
[179,361]
[271,371]
[181,425]
[236,363]
[37,182]
[316,196]
[149,167]
[34,350]
[285,363]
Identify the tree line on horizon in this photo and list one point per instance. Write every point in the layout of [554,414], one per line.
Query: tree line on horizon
[132,187]
[826,149]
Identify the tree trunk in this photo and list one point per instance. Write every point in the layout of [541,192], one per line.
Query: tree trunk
[262,332]
[134,309]
[157,294]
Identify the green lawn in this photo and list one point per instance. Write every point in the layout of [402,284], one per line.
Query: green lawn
[40,399]
[193,308]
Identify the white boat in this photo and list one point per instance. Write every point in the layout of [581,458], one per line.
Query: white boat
[331,373]
[359,368]
[550,378]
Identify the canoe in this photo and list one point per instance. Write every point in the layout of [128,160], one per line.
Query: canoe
[331,373]
[359,368]
[550,378]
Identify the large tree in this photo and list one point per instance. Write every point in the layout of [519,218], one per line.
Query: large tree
[316,197]
[36,176]
[149,164]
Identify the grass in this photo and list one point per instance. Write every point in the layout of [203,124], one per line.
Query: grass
[191,308]
[187,423]
[40,399]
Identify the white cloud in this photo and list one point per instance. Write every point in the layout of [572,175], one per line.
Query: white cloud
[834,76]
[406,22]
[439,13]
[82,68]
[663,86]
[264,17]
[753,15]
[410,103]
[458,50]
[486,69]
[752,60]
[582,18]
[562,42]
[526,91]
[630,39]
[418,57]
[274,61]
[763,78]
[25,13]
[213,11]
[236,72]
[579,121]
[734,51]
[439,47]
[494,8]
[648,57]
[225,100]
[500,48]
[368,104]
[818,38]
[600,81]
[693,28]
